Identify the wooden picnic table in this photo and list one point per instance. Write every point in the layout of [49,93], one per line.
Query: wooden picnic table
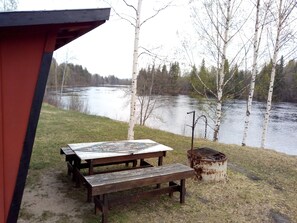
[105,153]
[104,188]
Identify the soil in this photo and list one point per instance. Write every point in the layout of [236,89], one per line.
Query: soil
[48,202]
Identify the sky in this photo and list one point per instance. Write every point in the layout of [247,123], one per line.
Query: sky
[108,49]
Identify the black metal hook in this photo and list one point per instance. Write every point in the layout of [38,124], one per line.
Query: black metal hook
[194,123]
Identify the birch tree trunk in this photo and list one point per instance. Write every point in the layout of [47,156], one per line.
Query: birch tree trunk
[269,99]
[56,80]
[256,43]
[222,74]
[272,76]
[134,74]
[282,36]
[63,78]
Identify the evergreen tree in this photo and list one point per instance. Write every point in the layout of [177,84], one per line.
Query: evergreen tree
[174,74]
[279,85]
[262,82]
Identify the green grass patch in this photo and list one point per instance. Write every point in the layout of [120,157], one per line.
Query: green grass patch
[261,184]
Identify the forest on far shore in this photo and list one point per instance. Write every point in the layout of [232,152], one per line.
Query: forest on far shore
[169,80]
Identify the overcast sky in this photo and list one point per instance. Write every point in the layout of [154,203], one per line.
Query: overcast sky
[108,49]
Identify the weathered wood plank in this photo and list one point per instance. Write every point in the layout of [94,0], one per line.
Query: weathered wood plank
[129,157]
[66,151]
[124,180]
[140,195]
[110,178]
[96,150]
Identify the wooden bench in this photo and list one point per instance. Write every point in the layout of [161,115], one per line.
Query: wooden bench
[101,185]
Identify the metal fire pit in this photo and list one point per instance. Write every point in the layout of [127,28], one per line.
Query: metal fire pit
[209,164]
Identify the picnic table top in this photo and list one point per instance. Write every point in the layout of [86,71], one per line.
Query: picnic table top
[97,150]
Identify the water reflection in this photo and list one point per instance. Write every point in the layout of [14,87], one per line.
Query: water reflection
[171,115]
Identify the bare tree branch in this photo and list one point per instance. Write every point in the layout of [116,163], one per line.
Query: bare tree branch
[157,12]
[131,6]
[121,15]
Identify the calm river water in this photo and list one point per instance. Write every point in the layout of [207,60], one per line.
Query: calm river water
[171,115]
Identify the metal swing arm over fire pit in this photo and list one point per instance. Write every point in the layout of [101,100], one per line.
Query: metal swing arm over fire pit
[193,130]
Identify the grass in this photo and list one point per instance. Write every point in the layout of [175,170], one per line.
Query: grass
[261,184]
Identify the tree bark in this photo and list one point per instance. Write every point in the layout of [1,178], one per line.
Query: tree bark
[256,42]
[222,74]
[63,78]
[134,74]
[272,76]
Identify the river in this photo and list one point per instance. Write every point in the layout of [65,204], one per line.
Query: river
[171,115]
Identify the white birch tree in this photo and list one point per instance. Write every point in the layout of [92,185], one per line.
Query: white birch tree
[64,75]
[259,25]
[221,73]
[64,72]
[217,28]
[137,23]
[283,34]
[132,119]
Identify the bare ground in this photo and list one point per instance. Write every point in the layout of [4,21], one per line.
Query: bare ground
[48,202]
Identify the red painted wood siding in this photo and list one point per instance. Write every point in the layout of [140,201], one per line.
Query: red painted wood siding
[20,57]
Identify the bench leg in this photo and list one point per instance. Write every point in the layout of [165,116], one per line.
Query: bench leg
[182,190]
[104,208]
[170,185]
[98,203]
[89,196]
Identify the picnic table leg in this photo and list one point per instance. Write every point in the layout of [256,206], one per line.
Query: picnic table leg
[68,169]
[76,177]
[76,164]
[91,167]
[160,161]
[182,190]
[134,163]
[141,162]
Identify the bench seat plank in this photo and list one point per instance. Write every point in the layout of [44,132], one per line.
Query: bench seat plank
[124,180]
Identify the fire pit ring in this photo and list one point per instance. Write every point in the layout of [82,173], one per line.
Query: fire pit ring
[209,164]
